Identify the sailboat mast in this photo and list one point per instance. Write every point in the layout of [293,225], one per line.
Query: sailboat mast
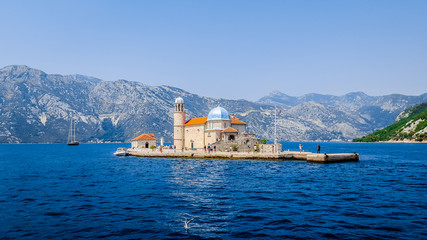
[74,135]
[70,132]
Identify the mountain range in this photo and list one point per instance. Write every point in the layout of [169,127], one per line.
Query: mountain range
[36,107]
[410,125]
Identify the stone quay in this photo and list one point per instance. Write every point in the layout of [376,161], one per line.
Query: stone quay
[281,156]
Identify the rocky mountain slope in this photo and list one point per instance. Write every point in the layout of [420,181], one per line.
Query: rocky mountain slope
[36,107]
[379,111]
[410,125]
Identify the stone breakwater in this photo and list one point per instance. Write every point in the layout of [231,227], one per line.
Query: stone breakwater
[281,156]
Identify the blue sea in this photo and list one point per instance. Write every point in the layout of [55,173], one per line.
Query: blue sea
[55,191]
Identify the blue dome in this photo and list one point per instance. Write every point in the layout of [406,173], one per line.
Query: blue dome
[218,113]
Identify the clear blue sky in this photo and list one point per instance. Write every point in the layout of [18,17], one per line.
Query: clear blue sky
[229,49]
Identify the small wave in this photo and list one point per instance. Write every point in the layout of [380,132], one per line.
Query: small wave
[354,226]
[259,198]
[77,195]
[223,198]
[280,222]
[252,210]
[124,232]
[84,230]
[249,235]
[330,235]
[389,229]
[250,218]
[55,214]
[129,208]
[85,206]
[128,231]
[399,214]
[349,199]
[359,215]
[301,227]
[150,231]
[176,234]
[29,234]
[147,221]
[29,200]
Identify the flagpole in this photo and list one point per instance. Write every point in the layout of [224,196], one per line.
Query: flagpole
[275,122]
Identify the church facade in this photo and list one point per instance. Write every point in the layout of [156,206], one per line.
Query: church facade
[196,133]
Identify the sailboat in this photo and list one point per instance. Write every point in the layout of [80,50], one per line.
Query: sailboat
[72,135]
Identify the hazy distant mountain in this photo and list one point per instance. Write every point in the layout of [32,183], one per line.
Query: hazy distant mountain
[36,107]
[377,111]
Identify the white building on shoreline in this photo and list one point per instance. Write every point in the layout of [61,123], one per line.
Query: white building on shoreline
[196,133]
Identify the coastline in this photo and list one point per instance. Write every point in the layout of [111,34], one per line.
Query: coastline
[404,141]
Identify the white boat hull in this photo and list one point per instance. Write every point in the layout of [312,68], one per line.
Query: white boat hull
[121,152]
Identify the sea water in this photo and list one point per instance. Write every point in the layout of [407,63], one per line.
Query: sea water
[75,192]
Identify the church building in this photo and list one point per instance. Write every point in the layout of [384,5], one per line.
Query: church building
[196,133]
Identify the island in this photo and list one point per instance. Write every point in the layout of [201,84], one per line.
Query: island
[221,135]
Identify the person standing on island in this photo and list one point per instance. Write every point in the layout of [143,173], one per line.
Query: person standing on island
[318,148]
[300,148]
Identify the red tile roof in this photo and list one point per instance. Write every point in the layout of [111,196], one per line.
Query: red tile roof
[202,120]
[145,136]
[235,120]
[196,121]
[230,130]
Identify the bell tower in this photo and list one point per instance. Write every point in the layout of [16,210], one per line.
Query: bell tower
[178,123]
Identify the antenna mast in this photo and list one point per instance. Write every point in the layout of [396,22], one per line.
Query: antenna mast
[275,122]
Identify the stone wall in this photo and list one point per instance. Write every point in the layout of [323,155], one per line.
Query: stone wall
[194,134]
[143,143]
[242,142]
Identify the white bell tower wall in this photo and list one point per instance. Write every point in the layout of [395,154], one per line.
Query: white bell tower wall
[179,124]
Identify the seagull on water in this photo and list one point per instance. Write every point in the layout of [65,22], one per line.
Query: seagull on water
[187,223]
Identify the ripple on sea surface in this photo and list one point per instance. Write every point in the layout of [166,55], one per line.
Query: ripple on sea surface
[89,193]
